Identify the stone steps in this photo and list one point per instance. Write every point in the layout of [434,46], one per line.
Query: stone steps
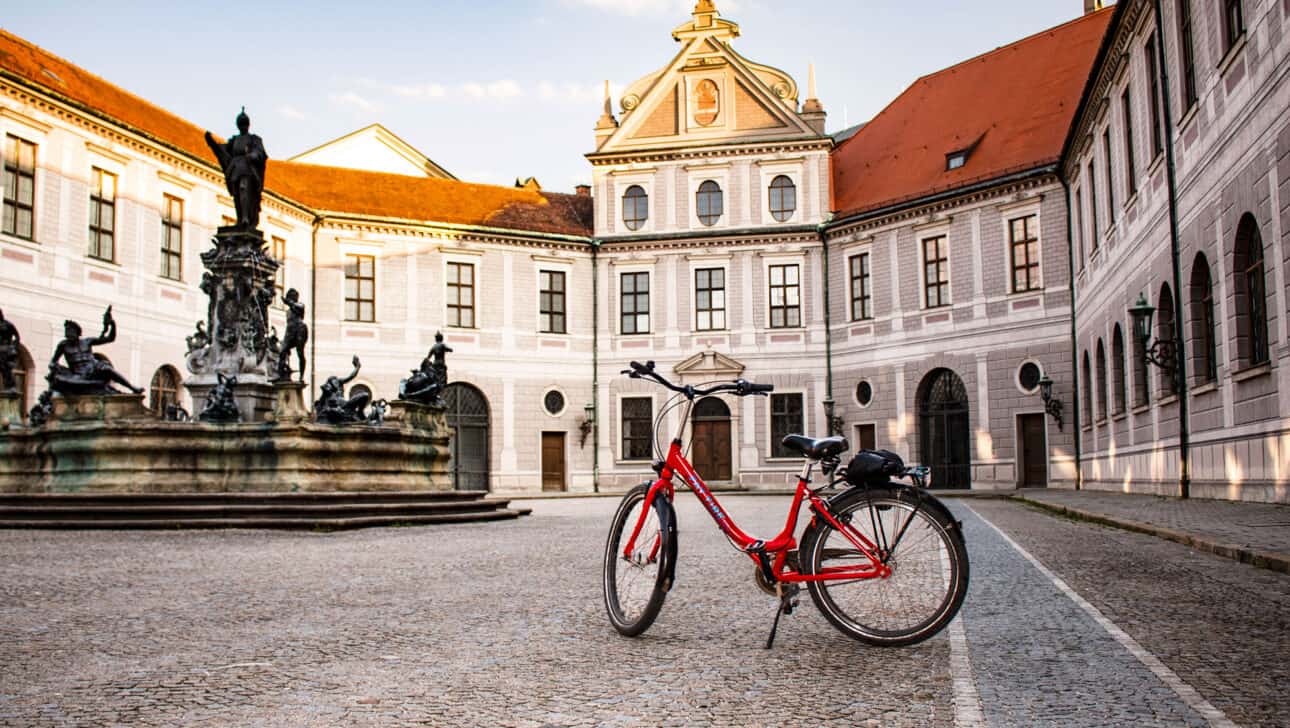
[322,511]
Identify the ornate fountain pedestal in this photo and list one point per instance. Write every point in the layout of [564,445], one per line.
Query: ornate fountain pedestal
[290,402]
[99,408]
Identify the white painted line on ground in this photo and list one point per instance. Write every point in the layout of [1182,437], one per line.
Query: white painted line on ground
[1185,692]
[967,702]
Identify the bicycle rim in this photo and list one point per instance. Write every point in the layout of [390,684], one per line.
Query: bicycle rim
[633,584]
[927,581]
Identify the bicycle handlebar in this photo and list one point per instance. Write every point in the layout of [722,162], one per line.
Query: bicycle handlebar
[740,387]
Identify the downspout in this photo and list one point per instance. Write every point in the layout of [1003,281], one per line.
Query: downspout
[1180,355]
[313,306]
[595,367]
[829,404]
[1070,265]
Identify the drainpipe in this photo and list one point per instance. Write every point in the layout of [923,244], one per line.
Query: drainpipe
[313,306]
[1075,408]
[595,367]
[829,404]
[1180,356]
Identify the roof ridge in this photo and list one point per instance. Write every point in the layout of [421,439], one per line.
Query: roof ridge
[421,178]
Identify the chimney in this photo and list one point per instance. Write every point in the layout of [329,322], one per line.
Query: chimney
[1093,5]
[583,190]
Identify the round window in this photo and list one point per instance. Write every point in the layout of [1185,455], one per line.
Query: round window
[554,402]
[864,393]
[1028,376]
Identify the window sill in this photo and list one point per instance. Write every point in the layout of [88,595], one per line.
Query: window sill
[1156,161]
[1167,400]
[1131,203]
[1086,428]
[1141,409]
[1101,422]
[20,241]
[1254,372]
[1187,117]
[553,333]
[1232,54]
[636,335]
[1206,388]
[101,263]
[785,329]
[1119,416]
[1028,292]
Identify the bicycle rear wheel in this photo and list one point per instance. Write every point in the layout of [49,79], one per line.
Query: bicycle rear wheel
[635,584]
[920,543]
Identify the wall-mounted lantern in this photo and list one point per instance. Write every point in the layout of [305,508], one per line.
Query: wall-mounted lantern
[588,421]
[1052,405]
[1161,352]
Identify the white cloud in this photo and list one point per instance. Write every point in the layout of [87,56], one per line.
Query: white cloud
[421,90]
[292,112]
[677,8]
[349,98]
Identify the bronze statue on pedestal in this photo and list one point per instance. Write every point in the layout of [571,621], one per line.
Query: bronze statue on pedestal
[85,373]
[243,159]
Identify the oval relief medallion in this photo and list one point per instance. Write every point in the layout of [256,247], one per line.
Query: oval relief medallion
[707,102]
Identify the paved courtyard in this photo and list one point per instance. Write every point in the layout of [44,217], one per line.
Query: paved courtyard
[1065,624]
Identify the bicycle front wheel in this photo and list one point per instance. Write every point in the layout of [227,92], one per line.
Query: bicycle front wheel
[635,583]
[922,546]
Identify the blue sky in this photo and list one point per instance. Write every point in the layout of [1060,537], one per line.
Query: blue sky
[492,90]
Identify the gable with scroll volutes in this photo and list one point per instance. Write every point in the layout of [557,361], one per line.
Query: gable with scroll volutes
[662,121]
[751,113]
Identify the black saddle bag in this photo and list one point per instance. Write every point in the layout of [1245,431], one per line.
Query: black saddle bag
[873,467]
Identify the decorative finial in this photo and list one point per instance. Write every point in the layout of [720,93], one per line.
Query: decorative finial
[810,80]
[607,120]
[705,6]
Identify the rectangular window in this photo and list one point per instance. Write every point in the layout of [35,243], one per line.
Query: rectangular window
[551,302]
[461,295]
[1130,163]
[785,419]
[634,303]
[1153,79]
[936,272]
[102,214]
[785,296]
[861,293]
[1233,22]
[172,237]
[710,299]
[1092,204]
[1110,176]
[1079,225]
[637,423]
[1187,55]
[19,187]
[360,288]
[1023,235]
[280,255]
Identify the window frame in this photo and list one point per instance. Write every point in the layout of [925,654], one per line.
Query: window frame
[1091,171]
[13,166]
[98,206]
[547,294]
[1153,83]
[1030,241]
[454,287]
[627,435]
[172,231]
[1130,156]
[1187,58]
[788,213]
[711,310]
[1108,163]
[861,285]
[776,451]
[942,266]
[357,299]
[1233,23]
[623,293]
[708,191]
[633,224]
[278,245]
[787,306]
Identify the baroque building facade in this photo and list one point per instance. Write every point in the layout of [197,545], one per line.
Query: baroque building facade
[908,282]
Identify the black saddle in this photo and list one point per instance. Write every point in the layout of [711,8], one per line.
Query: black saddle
[816,449]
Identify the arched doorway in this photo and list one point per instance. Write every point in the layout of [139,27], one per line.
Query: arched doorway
[467,415]
[711,442]
[163,390]
[945,436]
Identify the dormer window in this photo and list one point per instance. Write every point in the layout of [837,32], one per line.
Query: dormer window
[954,160]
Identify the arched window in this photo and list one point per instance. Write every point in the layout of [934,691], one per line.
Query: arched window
[1165,332]
[1204,331]
[1086,388]
[635,207]
[361,389]
[783,198]
[164,389]
[1118,397]
[1251,294]
[1102,409]
[708,202]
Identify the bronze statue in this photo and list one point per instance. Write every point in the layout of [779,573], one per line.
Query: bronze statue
[9,340]
[85,373]
[430,379]
[242,158]
[41,411]
[296,336]
[220,406]
[333,409]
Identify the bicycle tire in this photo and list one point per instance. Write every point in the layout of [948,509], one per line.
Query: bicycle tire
[634,590]
[929,563]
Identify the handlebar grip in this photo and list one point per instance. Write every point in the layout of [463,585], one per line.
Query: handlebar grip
[754,388]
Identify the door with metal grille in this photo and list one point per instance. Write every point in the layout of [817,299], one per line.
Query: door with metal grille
[945,437]
[467,416]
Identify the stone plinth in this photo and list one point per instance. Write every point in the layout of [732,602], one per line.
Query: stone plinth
[11,414]
[256,398]
[405,413]
[290,405]
[97,408]
[151,456]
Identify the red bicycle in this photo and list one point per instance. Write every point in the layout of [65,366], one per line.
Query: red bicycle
[884,561]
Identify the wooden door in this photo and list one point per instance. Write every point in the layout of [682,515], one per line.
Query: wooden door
[553,461]
[711,449]
[1034,451]
[866,438]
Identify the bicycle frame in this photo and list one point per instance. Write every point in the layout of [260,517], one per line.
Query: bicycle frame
[677,464]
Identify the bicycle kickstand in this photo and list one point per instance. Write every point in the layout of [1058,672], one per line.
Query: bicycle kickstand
[787,595]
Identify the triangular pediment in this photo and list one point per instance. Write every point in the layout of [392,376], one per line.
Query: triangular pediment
[708,94]
[709,365]
[375,149]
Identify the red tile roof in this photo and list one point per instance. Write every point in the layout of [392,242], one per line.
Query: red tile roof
[1015,103]
[330,189]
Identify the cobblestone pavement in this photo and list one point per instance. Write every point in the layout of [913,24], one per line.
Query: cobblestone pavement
[503,625]
[1258,527]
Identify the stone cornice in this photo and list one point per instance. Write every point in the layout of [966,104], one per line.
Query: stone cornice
[673,154]
[1111,64]
[413,229]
